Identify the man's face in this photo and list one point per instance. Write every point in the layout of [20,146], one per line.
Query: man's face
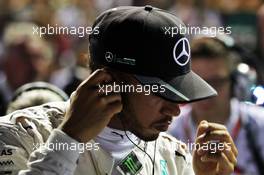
[217,74]
[147,115]
[23,73]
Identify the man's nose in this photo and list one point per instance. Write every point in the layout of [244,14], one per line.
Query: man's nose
[170,109]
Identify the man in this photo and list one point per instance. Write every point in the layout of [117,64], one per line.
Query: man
[214,61]
[114,112]
[32,56]
[34,94]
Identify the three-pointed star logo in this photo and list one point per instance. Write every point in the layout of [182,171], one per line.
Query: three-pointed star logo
[181,52]
[109,56]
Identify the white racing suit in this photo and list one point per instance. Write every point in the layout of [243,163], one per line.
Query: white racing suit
[27,149]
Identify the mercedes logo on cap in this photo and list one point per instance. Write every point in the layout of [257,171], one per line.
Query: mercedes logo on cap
[181,52]
[109,56]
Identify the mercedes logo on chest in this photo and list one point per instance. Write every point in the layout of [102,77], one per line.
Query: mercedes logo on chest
[181,52]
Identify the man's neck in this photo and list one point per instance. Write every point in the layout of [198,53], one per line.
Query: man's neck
[116,123]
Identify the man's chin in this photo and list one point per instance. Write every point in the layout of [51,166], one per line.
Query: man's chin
[152,138]
[149,137]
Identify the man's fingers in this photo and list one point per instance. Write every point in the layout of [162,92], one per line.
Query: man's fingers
[106,89]
[202,128]
[111,98]
[114,108]
[205,126]
[225,149]
[230,155]
[220,135]
[224,166]
[100,76]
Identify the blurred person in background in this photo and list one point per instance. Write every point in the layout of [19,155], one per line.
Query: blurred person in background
[216,63]
[28,95]
[25,58]
[34,94]
[196,13]
[67,73]
[80,71]
[103,5]
[236,6]
[261,35]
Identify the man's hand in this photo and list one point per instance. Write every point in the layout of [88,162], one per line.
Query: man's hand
[90,109]
[221,162]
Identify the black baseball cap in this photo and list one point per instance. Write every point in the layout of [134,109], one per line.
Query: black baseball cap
[144,41]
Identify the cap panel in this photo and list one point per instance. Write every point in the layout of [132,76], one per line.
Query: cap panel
[132,39]
[119,38]
[161,49]
[135,40]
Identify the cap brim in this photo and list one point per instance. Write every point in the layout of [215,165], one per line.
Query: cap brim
[182,89]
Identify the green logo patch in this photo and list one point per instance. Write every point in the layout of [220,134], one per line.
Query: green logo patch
[130,165]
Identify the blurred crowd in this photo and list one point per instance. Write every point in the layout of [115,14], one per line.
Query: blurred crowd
[62,59]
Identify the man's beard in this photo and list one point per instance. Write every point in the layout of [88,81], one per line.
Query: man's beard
[130,123]
[147,138]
